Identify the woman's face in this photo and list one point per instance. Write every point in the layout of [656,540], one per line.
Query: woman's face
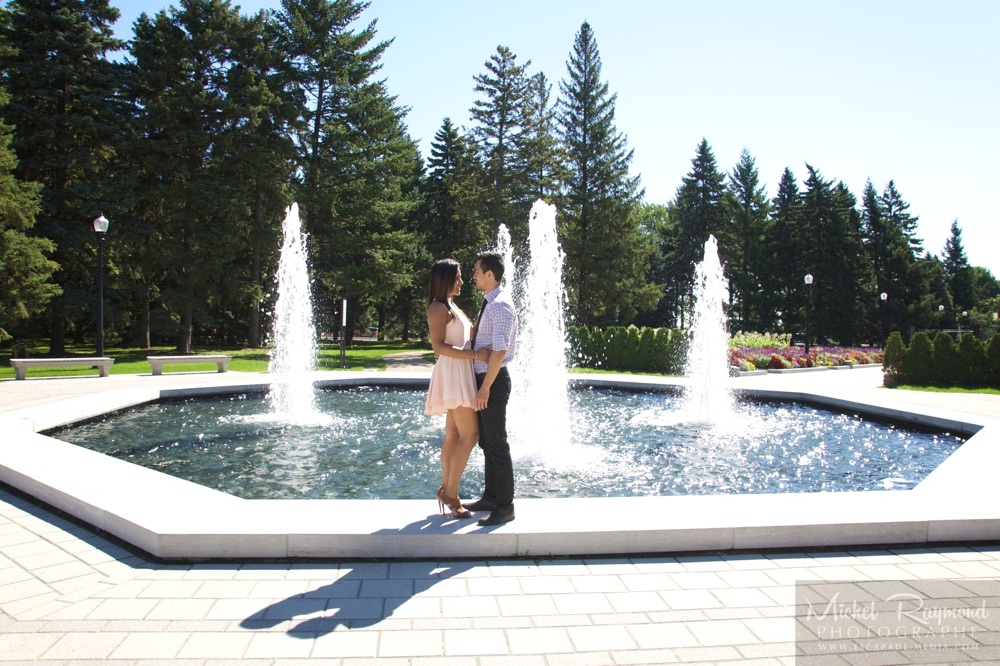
[456,288]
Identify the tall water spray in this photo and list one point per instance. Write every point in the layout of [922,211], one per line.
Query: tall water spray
[540,402]
[707,399]
[294,334]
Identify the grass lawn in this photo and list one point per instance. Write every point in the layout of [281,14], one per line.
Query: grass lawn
[363,355]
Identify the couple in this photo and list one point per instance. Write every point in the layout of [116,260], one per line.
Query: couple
[470,384]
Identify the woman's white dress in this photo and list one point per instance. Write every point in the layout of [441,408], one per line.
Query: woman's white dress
[453,382]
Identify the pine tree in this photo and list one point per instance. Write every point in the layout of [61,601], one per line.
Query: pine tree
[957,270]
[829,242]
[742,247]
[358,187]
[501,115]
[606,254]
[256,152]
[67,120]
[698,211]
[890,251]
[25,269]
[782,280]
[182,75]
[896,211]
[542,157]
[453,198]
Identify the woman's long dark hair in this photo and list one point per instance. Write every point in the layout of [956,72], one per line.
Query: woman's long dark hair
[444,272]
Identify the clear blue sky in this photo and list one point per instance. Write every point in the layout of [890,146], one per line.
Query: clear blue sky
[860,89]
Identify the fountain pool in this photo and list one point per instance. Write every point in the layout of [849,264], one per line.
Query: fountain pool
[375,443]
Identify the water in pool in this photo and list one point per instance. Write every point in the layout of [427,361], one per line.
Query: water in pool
[377,443]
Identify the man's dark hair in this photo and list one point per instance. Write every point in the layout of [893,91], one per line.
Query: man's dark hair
[492,262]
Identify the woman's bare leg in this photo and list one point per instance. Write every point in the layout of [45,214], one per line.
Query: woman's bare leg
[466,435]
[451,438]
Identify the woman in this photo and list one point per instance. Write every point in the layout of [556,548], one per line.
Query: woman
[452,390]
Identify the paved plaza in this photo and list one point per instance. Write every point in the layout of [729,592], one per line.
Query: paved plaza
[69,595]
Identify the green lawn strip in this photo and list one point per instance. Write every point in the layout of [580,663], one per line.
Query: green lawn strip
[946,389]
[362,355]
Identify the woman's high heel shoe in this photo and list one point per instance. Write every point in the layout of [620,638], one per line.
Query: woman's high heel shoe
[457,510]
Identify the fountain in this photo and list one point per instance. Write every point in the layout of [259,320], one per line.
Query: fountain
[539,407]
[592,443]
[707,400]
[293,358]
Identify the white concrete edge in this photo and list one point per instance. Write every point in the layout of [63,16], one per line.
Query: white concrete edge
[174,519]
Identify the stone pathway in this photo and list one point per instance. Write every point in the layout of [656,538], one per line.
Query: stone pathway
[69,595]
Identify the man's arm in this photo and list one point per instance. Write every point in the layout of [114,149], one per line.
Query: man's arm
[492,370]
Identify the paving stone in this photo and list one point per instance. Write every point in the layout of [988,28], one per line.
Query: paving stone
[150,645]
[480,642]
[89,645]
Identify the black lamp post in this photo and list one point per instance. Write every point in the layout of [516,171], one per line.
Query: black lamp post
[884,297]
[101,227]
[809,283]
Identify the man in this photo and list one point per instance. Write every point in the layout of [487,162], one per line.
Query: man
[496,330]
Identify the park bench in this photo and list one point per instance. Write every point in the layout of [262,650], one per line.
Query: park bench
[157,362]
[21,365]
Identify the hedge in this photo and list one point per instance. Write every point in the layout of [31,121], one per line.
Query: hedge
[658,350]
[941,362]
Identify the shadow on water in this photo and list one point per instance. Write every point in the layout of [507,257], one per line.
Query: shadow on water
[363,593]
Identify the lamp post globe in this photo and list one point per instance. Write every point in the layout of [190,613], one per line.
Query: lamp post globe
[100,228]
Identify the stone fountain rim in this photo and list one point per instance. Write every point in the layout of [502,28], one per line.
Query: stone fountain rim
[170,518]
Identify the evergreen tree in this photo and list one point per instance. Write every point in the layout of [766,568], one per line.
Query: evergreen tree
[182,75]
[606,254]
[25,269]
[355,159]
[829,242]
[453,198]
[783,280]
[904,284]
[896,212]
[66,121]
[742,247]
[541,152]
[501,115]
[957,270]
[654,220]
[255,160]
[698,211]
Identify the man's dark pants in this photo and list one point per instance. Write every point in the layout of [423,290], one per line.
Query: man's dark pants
[493,442]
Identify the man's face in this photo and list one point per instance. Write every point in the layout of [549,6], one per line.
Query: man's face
[480,278]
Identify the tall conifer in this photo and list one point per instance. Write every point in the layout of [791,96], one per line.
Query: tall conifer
[501,114]
[607,256]
[67,120]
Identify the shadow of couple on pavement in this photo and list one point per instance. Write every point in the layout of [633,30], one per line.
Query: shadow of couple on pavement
[364,593]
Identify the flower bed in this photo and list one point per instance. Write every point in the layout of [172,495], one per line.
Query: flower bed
[777,358]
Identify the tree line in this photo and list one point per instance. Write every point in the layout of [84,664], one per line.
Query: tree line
[195,135]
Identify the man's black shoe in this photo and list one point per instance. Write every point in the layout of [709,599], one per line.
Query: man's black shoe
[498,517]
[480,505]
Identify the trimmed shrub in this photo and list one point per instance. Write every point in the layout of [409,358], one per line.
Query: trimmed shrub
[647,350]
[597,355]
[993,354]
[677,355]
[892,360]
[633,360]
[919,363]
[579,346]
[973,362]
[945,368]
